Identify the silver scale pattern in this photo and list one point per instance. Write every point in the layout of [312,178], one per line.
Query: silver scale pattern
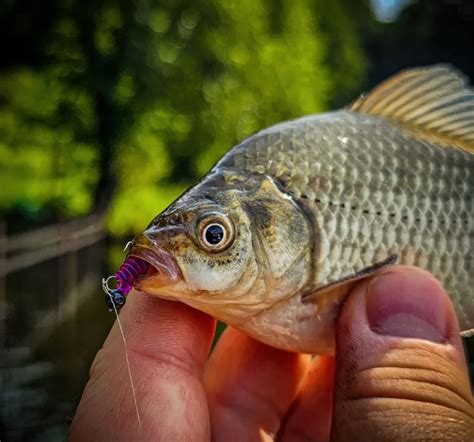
[374,190]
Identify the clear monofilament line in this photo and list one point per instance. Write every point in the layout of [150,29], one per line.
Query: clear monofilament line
[134,394]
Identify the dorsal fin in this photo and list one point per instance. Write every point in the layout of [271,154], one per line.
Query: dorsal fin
[435,102]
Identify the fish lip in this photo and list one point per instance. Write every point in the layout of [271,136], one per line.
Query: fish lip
[161,260]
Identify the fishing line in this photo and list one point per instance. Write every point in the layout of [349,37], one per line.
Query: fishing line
[127,360]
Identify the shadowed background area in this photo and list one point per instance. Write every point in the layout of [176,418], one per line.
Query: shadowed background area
[109,110]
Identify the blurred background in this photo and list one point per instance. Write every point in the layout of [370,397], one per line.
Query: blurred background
[109,109]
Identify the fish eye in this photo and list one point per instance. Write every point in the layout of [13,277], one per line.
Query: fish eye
[215,232]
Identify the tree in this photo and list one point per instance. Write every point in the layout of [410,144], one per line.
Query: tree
[129,102]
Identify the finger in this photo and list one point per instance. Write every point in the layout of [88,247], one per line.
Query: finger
[168,344]
[250,386]
[400,369]
[309,418]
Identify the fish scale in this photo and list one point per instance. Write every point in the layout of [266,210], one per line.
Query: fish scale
[397,173]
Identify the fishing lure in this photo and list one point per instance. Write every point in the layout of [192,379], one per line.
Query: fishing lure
[115,297]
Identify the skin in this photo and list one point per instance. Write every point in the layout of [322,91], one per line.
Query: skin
[399,374]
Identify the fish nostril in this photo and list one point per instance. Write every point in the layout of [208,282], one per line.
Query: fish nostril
[146,239]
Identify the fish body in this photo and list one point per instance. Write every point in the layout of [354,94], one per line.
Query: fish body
[271,240]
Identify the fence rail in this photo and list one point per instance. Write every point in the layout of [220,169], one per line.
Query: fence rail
[30,248]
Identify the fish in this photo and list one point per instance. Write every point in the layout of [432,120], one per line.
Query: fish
[275,235]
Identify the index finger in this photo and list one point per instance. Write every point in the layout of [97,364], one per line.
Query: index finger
[167,345]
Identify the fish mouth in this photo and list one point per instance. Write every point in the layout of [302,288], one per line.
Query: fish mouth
[162,268]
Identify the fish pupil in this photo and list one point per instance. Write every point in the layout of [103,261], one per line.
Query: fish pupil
[214,234]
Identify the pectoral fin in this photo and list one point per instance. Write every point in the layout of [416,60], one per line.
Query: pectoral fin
[333,294]
[336,291]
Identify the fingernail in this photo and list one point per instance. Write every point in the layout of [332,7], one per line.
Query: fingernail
[408,304]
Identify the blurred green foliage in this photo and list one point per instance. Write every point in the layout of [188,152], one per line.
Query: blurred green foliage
[42,160]
[118,106]
[132,101]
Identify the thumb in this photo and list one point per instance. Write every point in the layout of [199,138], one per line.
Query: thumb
[401,372]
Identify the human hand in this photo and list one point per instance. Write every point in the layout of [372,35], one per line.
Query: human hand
[399,374]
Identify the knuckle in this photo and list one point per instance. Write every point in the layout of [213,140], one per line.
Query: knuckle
[388,419]
[412,392]
[178,361]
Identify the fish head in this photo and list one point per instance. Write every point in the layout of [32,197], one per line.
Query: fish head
[231,249]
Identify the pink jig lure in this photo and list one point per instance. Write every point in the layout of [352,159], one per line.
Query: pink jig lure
[130,270]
